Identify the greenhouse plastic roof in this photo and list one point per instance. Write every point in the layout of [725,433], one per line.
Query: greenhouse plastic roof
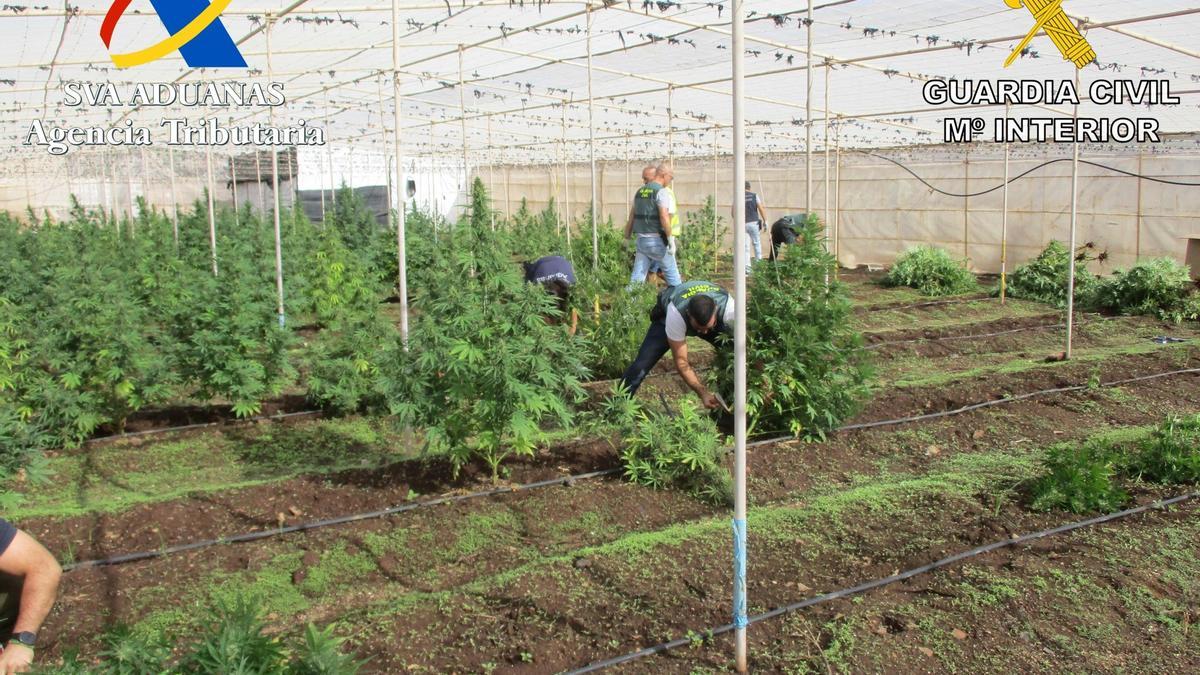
[656,66]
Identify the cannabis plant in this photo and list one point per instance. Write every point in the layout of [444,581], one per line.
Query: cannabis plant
[931,271]
[1161,287]
[1044,279]
[682,451]
[807,370]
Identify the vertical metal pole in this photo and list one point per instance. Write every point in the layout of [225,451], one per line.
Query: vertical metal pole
[108,186]
[491,170]
[174,198]
[70,186]
[1004,221]
[129,190]
[401,189]
[566,179]
[716,233]
[670,123]
[233,185]
[808,79]
[628,188]
[837,198]
[1074,222]
[739,341]
[387,166]
[274,190]
[462,118]
[262,200]
[350,163]
[28,183]
[825,175]
[592,145]
[1137,244]
[967,204]
[508,190]
[212,220]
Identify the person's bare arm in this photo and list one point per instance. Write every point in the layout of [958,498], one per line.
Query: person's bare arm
[574,323]
[629,223]
[762,214]
[679,351]
[664,217]
[41,573]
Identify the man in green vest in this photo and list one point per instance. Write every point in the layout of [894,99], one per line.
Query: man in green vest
[650,220]
[666,176]
[698,308]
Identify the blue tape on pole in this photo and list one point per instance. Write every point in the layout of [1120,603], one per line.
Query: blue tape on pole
[739,574]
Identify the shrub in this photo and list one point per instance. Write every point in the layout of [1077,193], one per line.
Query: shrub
[931,271]
[615,333]
[1171,454]
[684,451]
[697,254]
[484,370]
[1160,287]
[1080,479]
[807,370]
[1044,279]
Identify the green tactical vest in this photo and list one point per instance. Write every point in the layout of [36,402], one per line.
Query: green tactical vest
[645,210]
[682,294]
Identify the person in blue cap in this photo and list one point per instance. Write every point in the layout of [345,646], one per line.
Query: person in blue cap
[557,276]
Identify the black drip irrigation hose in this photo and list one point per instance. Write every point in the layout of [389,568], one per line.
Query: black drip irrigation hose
[1023,174]
[201,425]
[565,480]
[885,581]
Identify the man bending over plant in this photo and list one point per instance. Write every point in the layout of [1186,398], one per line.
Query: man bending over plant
[557,276]
[28,586]
[699,308]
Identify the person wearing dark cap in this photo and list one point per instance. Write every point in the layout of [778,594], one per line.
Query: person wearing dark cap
[557,276]
[29,578]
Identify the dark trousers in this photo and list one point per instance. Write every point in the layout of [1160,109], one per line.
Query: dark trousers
[654,345]
[779,237]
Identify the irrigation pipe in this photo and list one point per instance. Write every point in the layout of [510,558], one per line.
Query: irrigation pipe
[201,425]
[885,581]
[1019,176]
[565,480]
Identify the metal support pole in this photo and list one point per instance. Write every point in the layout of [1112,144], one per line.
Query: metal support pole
[387,167]
[592,145]
[274,191]
[967,204]
[462,118]
[628,188]
[491,170]
[825,175]
[508,190]
[1004,221]
[1137,243]
[401,189]
[350,164]
[716,233]
[808,80]
[174,198]
[262,200]
[129,189]
[739,340]
[108,186]
[70,186]
[566,179]
[1074,222]
[671,123]
[212,220]
[837,198]
[233,185]
[28,183]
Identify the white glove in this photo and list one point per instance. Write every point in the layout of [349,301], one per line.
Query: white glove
[671,246]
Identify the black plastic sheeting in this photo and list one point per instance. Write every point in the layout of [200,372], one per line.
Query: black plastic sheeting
[374,196]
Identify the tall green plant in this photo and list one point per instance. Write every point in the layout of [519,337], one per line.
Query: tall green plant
[1160,287]
[931,271]
[1044,279]
[699,245]
[807,370]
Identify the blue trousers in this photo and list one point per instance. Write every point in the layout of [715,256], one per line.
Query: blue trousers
[654,345]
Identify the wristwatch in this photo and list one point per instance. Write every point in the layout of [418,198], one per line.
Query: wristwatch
[25,638]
